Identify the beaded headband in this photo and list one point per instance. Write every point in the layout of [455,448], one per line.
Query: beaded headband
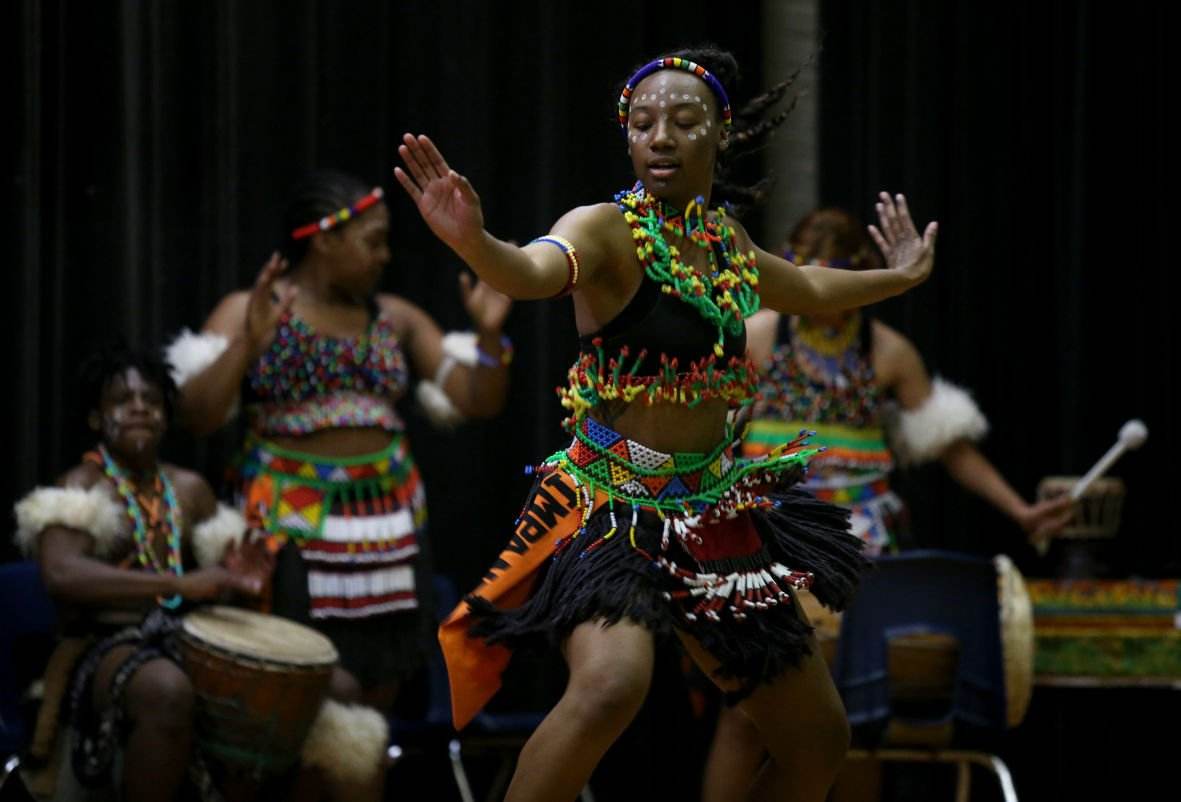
[336,218]
[675,63]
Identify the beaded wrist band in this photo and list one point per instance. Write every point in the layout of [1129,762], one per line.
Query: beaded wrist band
[503,361]
[567,248]
[336,218]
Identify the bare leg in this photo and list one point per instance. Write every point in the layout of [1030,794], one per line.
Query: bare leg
[159,707]
[735,756]
[610,670]
[802,722]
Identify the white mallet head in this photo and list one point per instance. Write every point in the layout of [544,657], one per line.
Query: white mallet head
[1133,434]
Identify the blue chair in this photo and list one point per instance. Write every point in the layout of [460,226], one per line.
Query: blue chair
[942,594]
[27,627]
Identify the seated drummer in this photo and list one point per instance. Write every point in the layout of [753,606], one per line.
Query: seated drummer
[124,540]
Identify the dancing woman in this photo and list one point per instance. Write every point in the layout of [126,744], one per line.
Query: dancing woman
[648,523]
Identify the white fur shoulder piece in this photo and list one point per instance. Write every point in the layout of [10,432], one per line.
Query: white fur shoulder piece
[347,742]
[191,352]
[459,348]
[212,536]
[949,414]
[93,511]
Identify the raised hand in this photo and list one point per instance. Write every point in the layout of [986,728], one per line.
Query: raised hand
[267,305]
[899,240]
[485,306]
[445,199]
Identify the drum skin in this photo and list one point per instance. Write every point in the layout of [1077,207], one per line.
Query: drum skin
[259,681]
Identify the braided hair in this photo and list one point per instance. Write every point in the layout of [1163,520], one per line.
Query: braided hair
[316,195]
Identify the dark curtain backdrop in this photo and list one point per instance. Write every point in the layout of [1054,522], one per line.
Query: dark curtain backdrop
[155,143]
[1036,133]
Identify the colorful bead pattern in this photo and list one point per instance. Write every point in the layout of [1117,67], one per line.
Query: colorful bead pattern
[571,255]
[146,521]
[341,216]
[821,377]
[301,365]
[725,296]
[692,494]
[673,63]
[595,378]
[337,410]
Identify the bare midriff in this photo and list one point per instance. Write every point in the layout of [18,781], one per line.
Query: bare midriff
[669,427]
[336,442]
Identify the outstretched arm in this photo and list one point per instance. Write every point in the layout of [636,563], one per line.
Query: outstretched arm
[899,367]
[810,289]
[451,208]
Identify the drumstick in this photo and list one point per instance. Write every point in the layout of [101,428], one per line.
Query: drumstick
[1131,436]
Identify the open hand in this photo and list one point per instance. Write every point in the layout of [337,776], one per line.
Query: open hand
[899,240]
[445,199]
[267,305]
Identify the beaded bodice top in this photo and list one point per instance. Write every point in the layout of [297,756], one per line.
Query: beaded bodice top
[306,381]
[682,338]
[822,379]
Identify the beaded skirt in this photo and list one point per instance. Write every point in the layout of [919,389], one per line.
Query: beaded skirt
[709,544]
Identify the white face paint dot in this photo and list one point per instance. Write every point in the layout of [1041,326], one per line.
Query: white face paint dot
[709,123]
[697,98]
[705,106]
[701,131]
[684,97]
[692,136]
[663,104]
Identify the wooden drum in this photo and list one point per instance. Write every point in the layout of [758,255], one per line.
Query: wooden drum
[1097,511]
[259,681]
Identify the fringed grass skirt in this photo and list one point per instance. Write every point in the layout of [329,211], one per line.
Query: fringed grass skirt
[703,543]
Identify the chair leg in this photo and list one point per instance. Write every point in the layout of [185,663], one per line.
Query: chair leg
[1008,790]
[10,766]
[458,771]
[963,781]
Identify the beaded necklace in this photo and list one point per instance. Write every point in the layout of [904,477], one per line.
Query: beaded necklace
[135,511]
[728,293]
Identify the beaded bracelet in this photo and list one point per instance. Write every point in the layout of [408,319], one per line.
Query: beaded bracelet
[503,361]
[571,261]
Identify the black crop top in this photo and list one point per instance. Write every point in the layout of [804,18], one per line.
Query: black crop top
[662,324]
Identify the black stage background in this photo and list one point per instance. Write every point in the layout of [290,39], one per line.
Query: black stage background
[155,141]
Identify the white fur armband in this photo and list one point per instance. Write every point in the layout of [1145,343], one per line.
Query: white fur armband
[347,742]
[459,348]
[191,352]
[213,536]
[949,414]
[92,511]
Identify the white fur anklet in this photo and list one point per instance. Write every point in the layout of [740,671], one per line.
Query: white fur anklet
[347,742]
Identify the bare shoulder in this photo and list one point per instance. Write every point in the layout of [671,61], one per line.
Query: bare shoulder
[894,356]
[407,316]
[600,224]
[193,492]
[83,476]
[229,314]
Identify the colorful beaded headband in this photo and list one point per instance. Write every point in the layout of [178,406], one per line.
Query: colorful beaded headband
[336,218]
[843,264]
[676,63]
